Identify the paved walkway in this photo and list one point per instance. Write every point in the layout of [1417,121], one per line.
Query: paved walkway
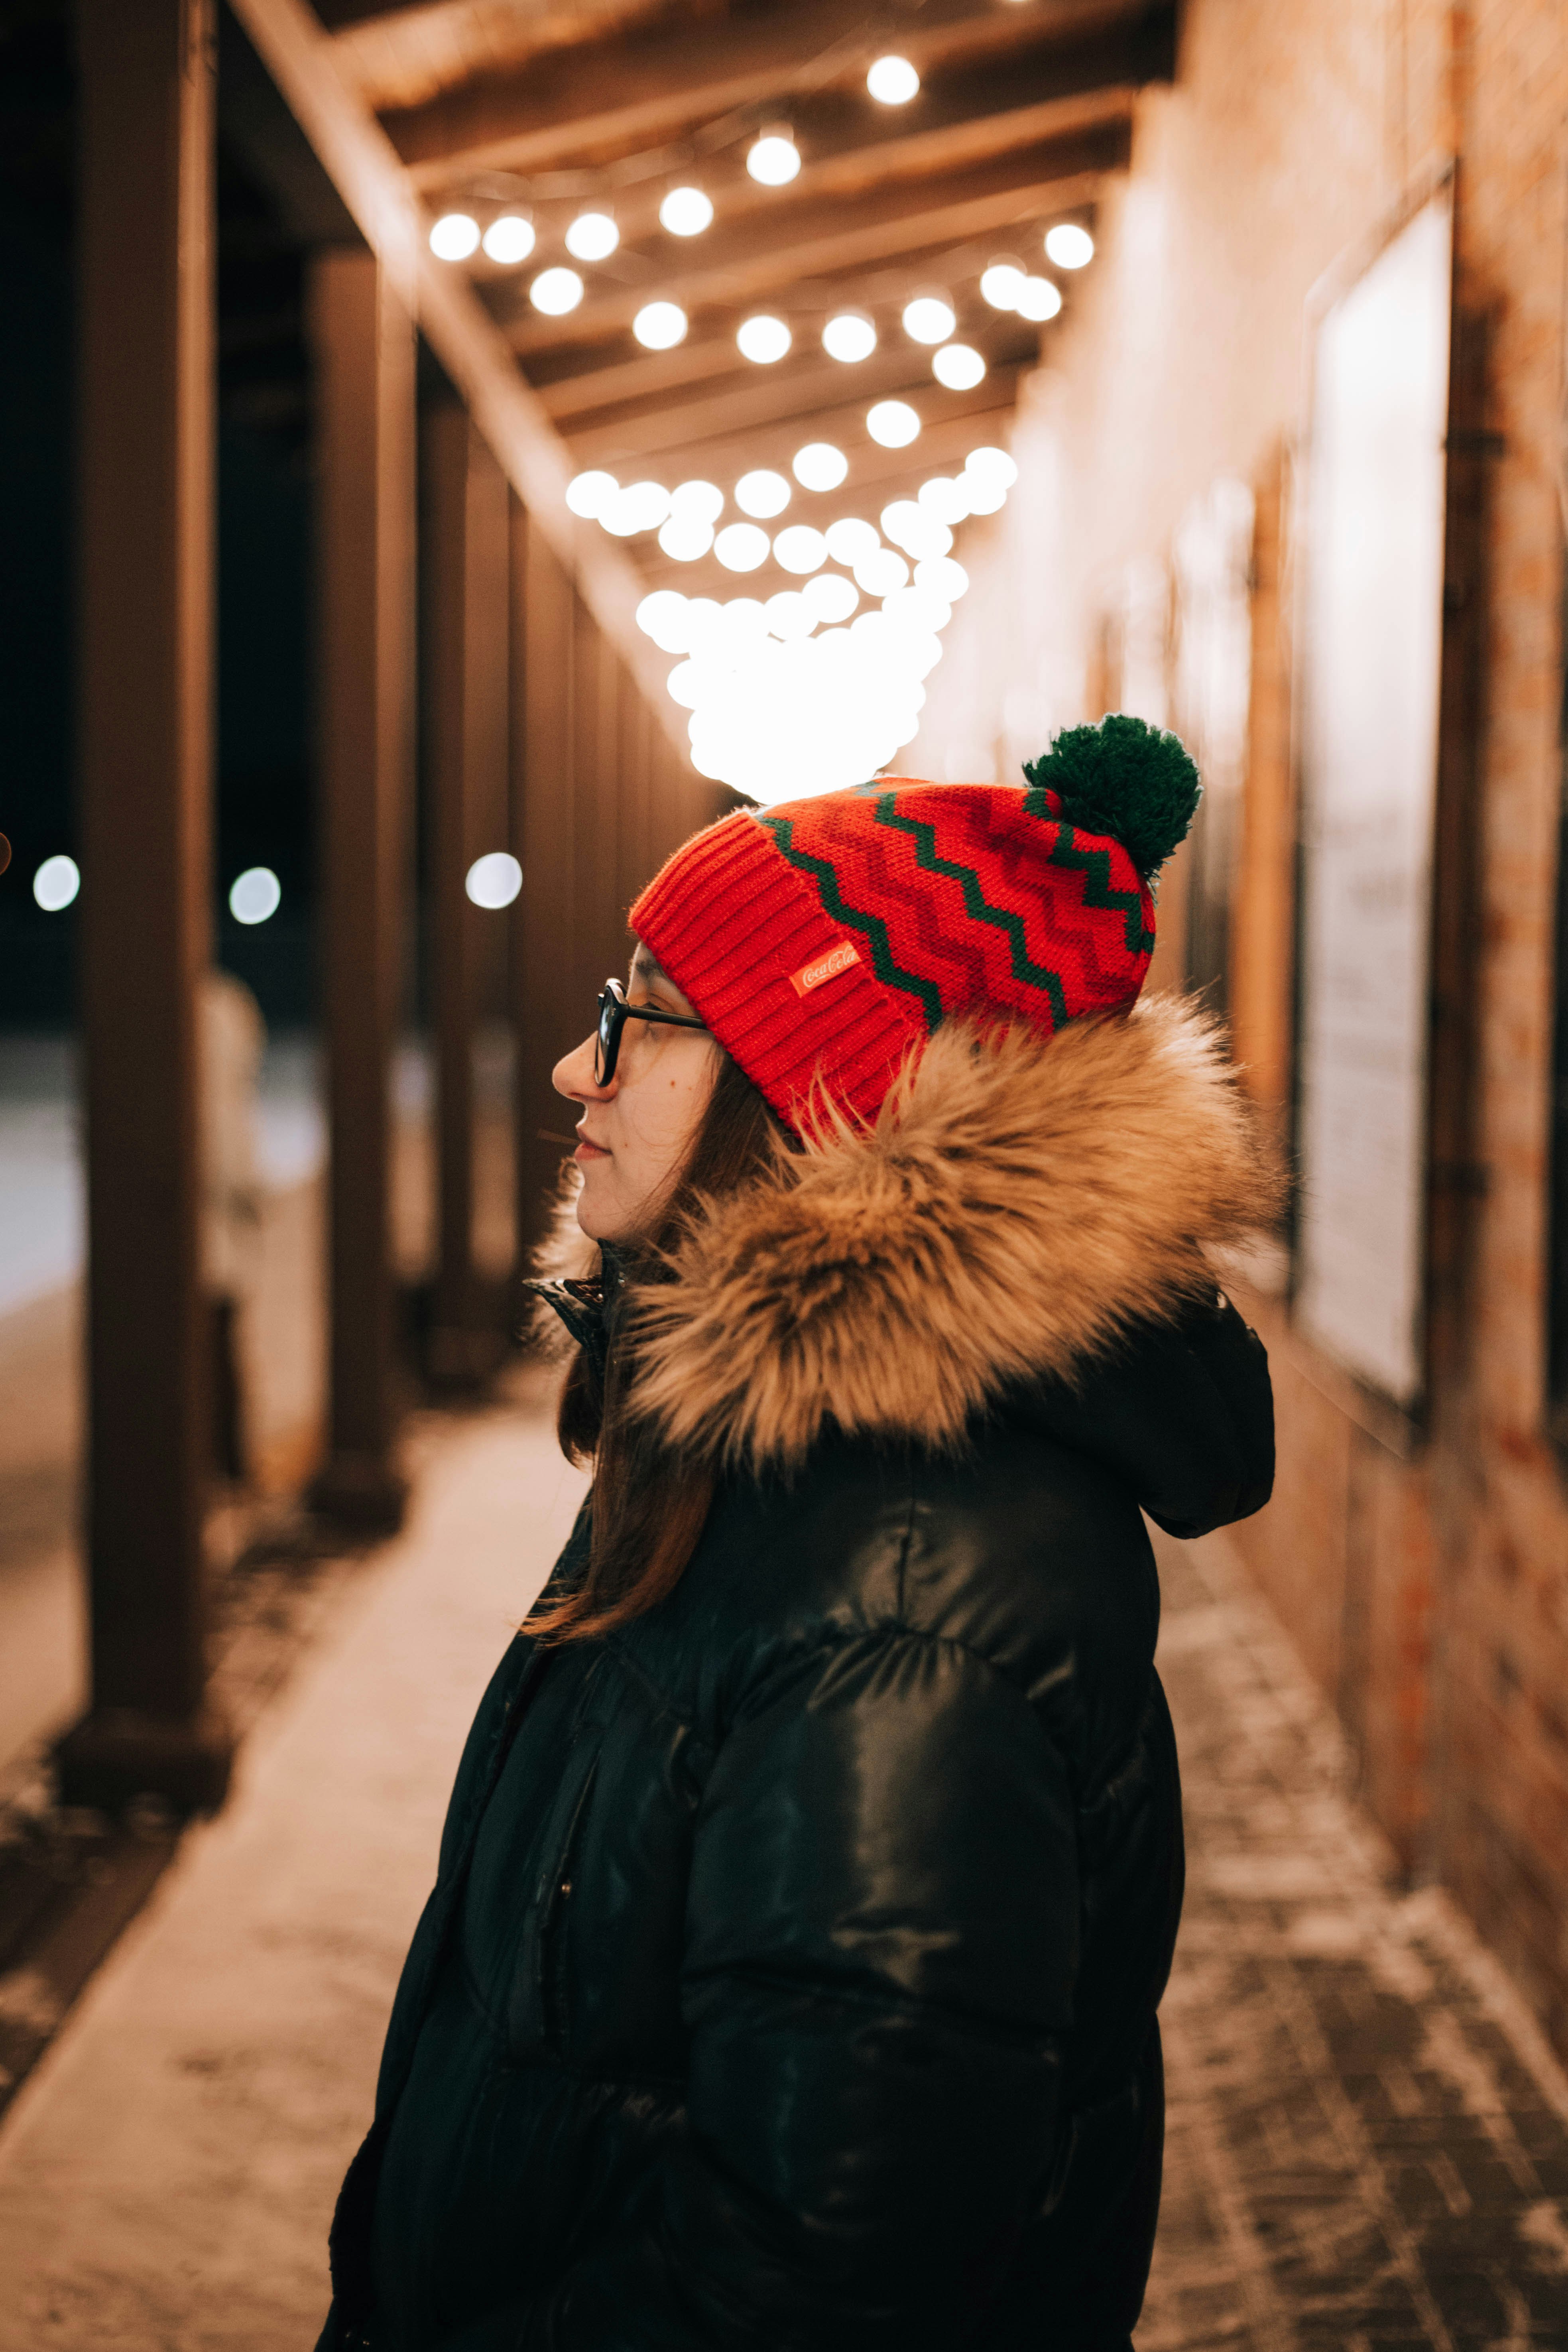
[1368,2147]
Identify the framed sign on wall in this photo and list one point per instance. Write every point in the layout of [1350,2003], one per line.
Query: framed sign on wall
[1371,664]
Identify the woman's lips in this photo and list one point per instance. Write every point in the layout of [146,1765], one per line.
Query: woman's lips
[586,1150]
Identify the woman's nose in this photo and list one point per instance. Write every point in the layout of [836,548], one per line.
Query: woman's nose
[574,1075]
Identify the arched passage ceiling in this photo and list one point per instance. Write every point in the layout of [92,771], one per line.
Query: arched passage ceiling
[1025,107]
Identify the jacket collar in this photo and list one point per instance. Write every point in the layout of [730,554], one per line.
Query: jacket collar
[1019,1203]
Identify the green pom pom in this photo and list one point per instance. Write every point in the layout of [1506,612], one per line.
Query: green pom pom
[1125,778]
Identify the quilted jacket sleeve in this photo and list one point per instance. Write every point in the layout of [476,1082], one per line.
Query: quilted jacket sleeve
[881,1949]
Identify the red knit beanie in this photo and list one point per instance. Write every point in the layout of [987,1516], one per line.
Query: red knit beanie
[822,938]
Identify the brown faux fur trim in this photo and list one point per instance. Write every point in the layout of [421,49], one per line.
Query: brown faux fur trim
[1018,1204]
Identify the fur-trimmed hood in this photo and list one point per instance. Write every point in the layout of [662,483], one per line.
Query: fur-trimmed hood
[1019,1203]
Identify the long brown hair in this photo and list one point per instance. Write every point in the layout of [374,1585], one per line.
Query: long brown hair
[649,1503]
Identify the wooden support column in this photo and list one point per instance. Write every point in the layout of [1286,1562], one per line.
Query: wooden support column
[362,338]
[549,1013]
[467,636]
[145,390]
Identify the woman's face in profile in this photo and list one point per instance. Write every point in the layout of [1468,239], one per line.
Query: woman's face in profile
[635,1133]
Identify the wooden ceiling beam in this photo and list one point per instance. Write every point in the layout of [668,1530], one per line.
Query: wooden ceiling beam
[409,56]
[813,404]
[830,244]
[744,396]
[354,152]
[876,475]
[571,111]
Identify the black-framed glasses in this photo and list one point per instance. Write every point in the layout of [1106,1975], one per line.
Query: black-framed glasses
[614,1014]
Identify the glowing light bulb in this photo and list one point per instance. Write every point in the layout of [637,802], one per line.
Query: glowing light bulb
[510,239]
[958,366]
[254,898]
[774,159]
[1068,246]
[586,494]
[593,236]
[453,237]
[929,319]
[1038,300]
[556,291]
[892,81]
[1002,283]
[991,465]
[849,538]
[686,211]
[659,326]
[893,424]
[830,597]
[946,500]
[703,501]
[663,617]
[494,881]
[943,576]
[800,549]
[684,537]
[789,615]
[819,465]
[742,547]
[848,336]
[762,493]
[55,883]
[764,339]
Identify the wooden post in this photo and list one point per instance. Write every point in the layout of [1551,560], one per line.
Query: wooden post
[363,344]
[466,643]
[145,388]
[548,1010]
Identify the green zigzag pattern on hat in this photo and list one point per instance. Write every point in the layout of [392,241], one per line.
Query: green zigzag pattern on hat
[1095,867]
[872,928]
[976,904]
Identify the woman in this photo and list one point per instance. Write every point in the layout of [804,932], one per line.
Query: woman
[814,1866]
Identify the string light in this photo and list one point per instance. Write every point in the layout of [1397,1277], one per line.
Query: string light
[593,236]
[892,81]
[819,465]
[556,291]
[774,159]
[800,549]
[659,326]
[829,596]
[643,506]
[255,895]
[1038,300]
[1068,246]
[929,319]
[703,501]
[510,239]
[586,493]
[849,538]
[848,336]
[764,339]
[453,237]
[763,494]
[740,547]
[686,211]
[790,617]
[684,537]
[958,366]
[55,883]
[1002,282]
[494,881]
[892,424]
[947,500]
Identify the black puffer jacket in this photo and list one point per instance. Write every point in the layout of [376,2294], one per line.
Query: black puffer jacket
[791,1973]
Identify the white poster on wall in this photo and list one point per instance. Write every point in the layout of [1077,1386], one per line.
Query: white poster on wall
[1372,653]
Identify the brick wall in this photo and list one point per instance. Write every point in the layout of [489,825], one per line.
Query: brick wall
[1427,1587]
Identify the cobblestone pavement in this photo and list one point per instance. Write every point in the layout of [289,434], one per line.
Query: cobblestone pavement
[1368,2138]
